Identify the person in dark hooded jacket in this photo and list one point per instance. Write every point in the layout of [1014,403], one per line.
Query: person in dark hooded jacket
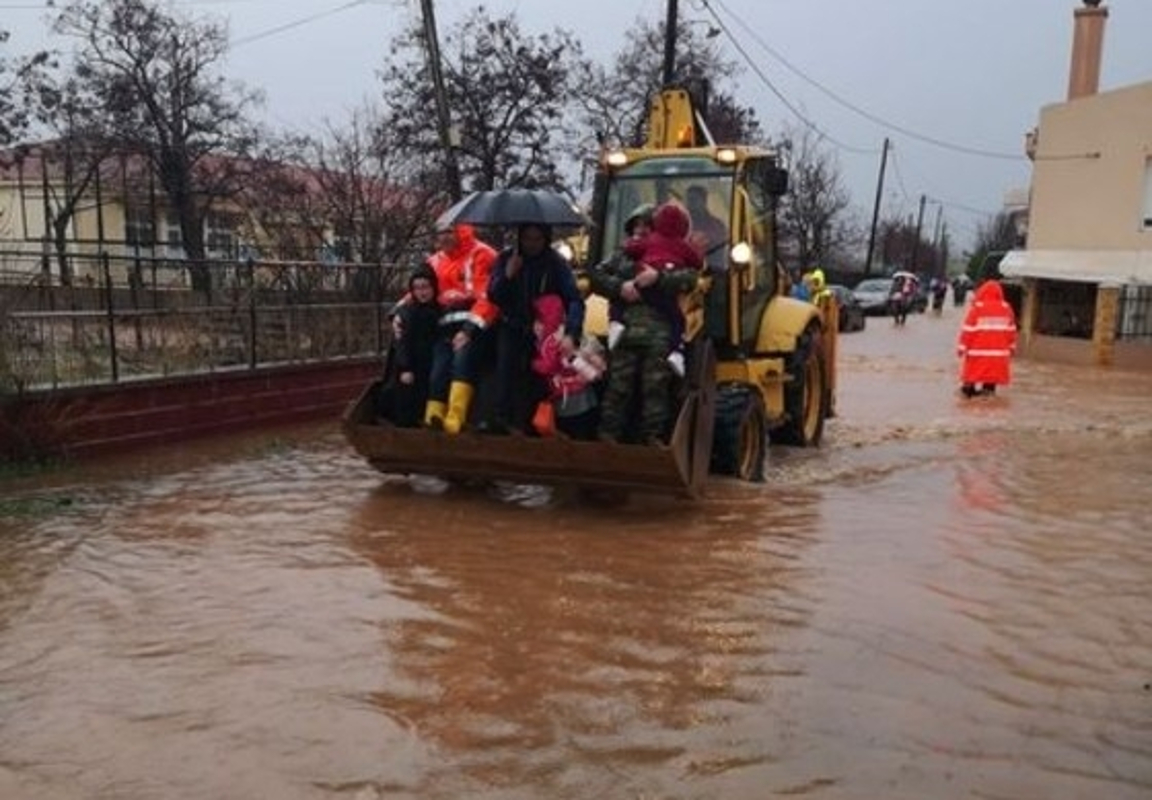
[520,275]
[410,367]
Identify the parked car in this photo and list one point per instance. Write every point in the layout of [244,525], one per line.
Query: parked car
[872,294]
[851,312]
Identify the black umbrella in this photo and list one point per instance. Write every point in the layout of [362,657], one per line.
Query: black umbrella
[513,207]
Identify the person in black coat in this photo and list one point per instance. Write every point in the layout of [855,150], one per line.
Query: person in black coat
[520,275]
[410,365]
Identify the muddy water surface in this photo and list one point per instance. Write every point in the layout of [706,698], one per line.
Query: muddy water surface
[949,599]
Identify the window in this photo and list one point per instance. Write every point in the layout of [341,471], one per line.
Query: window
[220,234]
[139,226]
[1066,308]
[1134,323]
[1146,216]
[172,235]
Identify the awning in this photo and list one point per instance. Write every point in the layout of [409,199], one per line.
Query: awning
[1117,267]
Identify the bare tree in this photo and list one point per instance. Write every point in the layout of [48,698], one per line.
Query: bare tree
[156,79]
[507,92]
[75,157]
[997,234]
[282,201]
[12,113]
[900,249]
[353,191]
[816,225]
[378,198]
[22,81]
[613,101]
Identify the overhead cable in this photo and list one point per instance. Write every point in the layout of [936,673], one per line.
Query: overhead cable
[959,148]
[779,95]
[243,40]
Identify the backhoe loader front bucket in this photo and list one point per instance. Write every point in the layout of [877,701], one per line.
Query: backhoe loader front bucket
[675,467]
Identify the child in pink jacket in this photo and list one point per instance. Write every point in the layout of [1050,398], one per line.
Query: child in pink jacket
[568,379]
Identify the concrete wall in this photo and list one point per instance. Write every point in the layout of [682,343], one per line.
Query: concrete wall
[1088,175]
[85,422]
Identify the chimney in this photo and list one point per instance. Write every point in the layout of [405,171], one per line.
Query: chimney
[1087,48]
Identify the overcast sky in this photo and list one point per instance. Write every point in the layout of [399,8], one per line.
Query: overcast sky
[970,73]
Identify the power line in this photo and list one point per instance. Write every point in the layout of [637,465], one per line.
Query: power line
[899,176]
[959,148]
[779,95]
[979,212]
[255,37]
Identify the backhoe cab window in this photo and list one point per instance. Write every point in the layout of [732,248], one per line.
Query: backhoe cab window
[699,184]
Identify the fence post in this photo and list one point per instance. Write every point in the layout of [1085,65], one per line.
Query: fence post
[251,313]
[378,301]
[108,302]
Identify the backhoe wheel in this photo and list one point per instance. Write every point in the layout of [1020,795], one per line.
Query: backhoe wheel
[806,395]
[740,439]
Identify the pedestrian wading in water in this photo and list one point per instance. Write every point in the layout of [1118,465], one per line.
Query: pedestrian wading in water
[987,342]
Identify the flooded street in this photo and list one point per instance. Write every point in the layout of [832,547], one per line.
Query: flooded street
[950,599]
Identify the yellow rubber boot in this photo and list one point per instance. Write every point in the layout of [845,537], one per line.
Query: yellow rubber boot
[459,399]
[434,414]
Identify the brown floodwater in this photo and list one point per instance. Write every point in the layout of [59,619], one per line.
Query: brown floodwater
[950,599]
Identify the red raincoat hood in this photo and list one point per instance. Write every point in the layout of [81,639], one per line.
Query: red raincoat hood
[549,310]
[465,241]
[990,292]
[671,221]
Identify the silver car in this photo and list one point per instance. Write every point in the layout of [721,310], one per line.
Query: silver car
[872,293]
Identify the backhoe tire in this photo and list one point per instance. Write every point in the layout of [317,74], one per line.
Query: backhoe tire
[806,395]
[740,438]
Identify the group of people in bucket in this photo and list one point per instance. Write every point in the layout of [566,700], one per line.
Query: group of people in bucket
[521,308]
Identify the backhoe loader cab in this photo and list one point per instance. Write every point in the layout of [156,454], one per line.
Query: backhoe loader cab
[731,195]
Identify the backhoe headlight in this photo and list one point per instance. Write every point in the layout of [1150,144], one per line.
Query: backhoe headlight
[741,254]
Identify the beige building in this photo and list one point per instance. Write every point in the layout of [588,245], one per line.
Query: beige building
[1087,269]
[115,212]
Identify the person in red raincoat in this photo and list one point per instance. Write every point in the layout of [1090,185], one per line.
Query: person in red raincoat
[987,341]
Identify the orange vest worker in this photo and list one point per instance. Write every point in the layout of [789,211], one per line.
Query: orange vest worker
[462,275]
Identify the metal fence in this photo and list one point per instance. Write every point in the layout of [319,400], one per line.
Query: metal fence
[1134,322]
[126,318]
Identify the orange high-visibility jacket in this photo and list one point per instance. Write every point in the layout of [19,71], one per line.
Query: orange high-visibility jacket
[988,337]
[462,275]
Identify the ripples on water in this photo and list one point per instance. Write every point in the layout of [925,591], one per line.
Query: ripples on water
[949,600]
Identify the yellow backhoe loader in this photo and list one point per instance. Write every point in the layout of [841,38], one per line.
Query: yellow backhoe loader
[761,364]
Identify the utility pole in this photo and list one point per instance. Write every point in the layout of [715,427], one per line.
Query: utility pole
[670,26]
[876,210]
[916,241]
[936,237]
[443,119]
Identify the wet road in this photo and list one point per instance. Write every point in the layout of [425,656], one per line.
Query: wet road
[949,600]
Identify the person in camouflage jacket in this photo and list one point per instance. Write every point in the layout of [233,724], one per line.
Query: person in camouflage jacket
[643,294]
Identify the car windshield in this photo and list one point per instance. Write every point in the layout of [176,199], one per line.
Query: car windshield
[874,285]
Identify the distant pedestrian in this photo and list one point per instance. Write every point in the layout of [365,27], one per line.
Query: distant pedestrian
[900,298]
[939,289]
[987,341]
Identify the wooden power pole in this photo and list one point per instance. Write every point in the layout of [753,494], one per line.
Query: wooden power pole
[443,118]
[670,26]
[876,210]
